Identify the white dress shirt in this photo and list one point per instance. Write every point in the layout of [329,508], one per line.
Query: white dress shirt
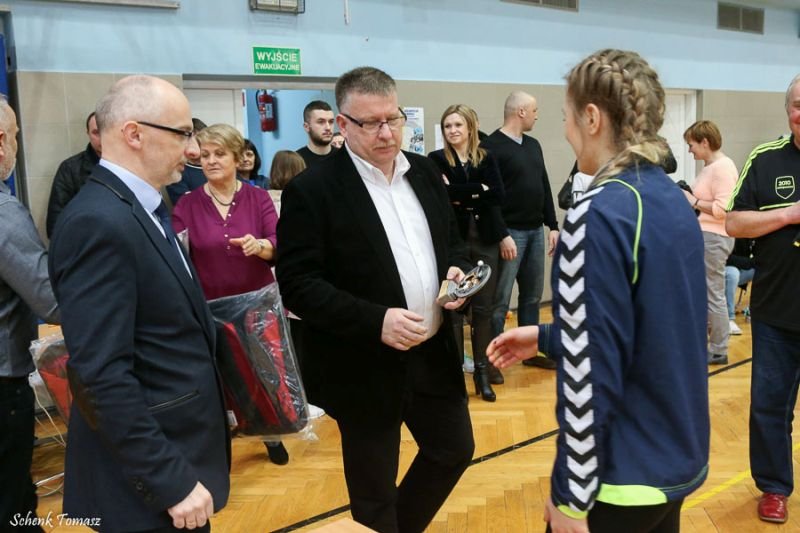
[406,226]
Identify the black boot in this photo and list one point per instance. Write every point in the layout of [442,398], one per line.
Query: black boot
[495,376]
[481,379]
[277,452]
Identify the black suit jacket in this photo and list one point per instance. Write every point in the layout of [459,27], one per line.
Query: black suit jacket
[469,198]
[336,271]
[147,421]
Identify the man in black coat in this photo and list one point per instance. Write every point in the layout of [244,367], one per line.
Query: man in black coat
[148,447]
[72,173]
[365,238]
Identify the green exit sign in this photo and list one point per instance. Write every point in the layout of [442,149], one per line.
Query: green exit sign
[269,60]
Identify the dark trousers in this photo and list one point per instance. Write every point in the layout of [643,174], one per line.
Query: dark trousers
[773,396]
[18,494]
[480,304]
[663,518]
[439,423]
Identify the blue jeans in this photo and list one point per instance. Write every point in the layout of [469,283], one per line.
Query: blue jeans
[528,270]
[773,394]
[733,278]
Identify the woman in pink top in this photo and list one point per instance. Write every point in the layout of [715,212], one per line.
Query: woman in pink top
[231,228]
[231,223]
[711,192]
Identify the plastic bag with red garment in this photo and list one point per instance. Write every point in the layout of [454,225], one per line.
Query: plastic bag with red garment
[50,357]
[257,363]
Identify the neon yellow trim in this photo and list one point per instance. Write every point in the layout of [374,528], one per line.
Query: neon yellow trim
[577,515]
[638,229]
[758,150]
[775,206]
[630,495]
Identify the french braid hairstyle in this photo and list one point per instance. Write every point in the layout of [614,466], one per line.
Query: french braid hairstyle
[626,87]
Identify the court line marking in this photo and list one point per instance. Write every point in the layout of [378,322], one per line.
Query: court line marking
[497,453]
[735,480]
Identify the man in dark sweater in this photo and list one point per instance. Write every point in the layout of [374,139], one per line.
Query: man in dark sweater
[72,174]
[318,123]
[528,207]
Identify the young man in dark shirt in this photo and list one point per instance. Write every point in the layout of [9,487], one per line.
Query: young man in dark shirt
[528,206]
[318,123]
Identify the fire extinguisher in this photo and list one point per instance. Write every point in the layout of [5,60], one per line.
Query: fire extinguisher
[267,108]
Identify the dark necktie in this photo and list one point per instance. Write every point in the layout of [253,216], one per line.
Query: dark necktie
[162,213]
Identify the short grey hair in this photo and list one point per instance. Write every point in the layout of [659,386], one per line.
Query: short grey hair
[131,98]
[363,80]
[789,90]
[514,101]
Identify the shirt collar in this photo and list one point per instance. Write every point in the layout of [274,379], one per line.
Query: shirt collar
[517,140]
[371,173]
[149,197]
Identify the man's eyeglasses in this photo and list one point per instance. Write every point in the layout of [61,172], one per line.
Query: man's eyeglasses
[374,126]
[185,134]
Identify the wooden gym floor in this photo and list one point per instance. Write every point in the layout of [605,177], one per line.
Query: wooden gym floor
[503,489]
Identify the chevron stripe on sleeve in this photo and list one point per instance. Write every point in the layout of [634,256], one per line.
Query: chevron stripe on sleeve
[581,456]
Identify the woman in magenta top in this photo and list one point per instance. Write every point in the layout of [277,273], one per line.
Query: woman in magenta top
[231,224]
[231,229]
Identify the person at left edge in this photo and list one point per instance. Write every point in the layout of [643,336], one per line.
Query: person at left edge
[364,239]
[25,292]
[148,446]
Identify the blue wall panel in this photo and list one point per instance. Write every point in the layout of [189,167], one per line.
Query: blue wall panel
[446,40]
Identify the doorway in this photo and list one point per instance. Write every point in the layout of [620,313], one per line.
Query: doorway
[681,113]
[232,100]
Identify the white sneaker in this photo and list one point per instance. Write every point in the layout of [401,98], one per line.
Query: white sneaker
[735,330]
[315,412]
[469,364]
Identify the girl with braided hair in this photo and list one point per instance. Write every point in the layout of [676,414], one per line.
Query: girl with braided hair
[629,308]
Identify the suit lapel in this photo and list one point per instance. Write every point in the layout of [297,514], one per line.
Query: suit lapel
[168,254]
[363,209]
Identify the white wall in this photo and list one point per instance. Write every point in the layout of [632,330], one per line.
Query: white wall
[215,106]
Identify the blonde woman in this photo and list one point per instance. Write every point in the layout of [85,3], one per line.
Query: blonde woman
[629,311]
[476,190]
